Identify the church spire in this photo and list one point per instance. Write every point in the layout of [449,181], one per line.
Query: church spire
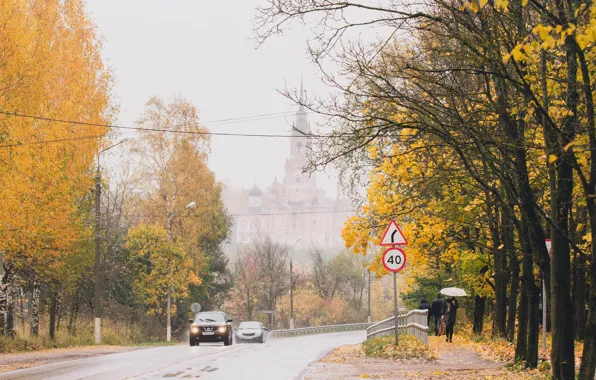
[301,122]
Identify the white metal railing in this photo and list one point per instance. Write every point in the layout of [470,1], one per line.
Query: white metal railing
[414,322]
[318,330]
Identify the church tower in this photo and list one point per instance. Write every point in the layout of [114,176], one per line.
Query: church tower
[300,187]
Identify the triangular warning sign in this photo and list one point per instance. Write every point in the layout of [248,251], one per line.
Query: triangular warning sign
[393,235]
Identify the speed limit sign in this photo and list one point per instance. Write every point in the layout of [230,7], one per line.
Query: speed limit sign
[394,259]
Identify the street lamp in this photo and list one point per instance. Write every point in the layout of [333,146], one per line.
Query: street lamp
[169,314]
[97,306]
[171,218]
[292,288]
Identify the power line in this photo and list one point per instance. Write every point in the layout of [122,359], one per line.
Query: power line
[296,213]
[50,141]
[268,214]
[145,129]
[264,116]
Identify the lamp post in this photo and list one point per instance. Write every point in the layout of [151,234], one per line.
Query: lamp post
[169,314]
[292,288]
[97,305]
[369,319]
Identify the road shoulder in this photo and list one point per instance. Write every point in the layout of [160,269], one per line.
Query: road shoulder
[11,362]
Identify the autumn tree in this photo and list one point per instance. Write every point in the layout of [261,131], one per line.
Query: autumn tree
[163,267]
[323,278]
[173,173]
[45,166]
[272,260]
[247,290]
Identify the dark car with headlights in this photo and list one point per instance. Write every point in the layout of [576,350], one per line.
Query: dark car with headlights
[211,326]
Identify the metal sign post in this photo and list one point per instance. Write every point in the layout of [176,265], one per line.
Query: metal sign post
[394,260]
[395,311]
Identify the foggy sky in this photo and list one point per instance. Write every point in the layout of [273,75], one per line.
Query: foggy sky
[203,51]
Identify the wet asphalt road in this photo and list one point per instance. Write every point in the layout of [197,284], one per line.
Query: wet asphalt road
[277,359]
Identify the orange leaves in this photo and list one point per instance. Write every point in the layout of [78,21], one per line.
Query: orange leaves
[310,308]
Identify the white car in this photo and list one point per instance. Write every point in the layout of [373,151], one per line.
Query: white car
[251,331]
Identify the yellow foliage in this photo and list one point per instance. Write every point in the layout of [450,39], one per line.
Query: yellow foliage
[163,265]
[50,66]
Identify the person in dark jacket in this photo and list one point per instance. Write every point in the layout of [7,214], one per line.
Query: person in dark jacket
[436,309]
[450,314]
[425,306]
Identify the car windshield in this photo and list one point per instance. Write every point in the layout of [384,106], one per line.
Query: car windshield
[210,317]
[250,325]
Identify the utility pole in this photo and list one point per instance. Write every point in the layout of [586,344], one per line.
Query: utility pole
[168,312]
[97,274]
[291,297]
[97,306]
[369,317]
[169,333]
[292,286]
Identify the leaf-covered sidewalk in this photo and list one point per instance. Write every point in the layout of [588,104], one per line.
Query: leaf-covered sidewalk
[455,360]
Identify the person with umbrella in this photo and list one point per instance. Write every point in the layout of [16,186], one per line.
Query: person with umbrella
[450,310]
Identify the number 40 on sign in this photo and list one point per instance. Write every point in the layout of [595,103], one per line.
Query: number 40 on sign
[394,259]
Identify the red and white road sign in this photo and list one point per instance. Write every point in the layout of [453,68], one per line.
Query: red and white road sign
[394,259]
[393,235]
[548,245]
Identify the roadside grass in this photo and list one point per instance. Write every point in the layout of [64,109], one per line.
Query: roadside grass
[112,334]
[409,347]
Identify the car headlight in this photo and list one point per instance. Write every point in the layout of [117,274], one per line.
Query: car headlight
[194,329]
[222,329]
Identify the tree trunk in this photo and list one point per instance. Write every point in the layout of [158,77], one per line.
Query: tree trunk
[588,364]
[499,272]
[533,298]
[3,308]
[562,353]
[10,316]
[579,294]
[521,345]
[52,326]
[34,325]
[479,305]
[5,286]
[587,368]
[59,315]
[22,307]
[513,292]
[533,326]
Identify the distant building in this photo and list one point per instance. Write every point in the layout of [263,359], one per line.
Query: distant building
[292,208]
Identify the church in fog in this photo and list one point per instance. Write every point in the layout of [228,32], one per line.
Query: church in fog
[291,209]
